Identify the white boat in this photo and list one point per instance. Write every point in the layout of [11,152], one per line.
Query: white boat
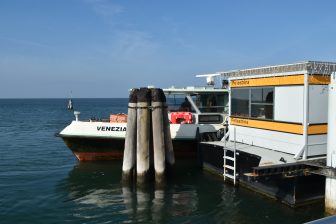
[104,140]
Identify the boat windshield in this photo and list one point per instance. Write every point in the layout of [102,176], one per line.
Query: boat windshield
[205,102]
[213,102]
[179,102]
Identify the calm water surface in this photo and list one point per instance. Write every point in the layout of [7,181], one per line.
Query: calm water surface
[42,182]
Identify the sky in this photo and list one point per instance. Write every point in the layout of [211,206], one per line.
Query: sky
[102,48]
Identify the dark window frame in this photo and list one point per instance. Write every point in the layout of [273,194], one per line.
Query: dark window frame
[250,103]
[263,103]
[242,100]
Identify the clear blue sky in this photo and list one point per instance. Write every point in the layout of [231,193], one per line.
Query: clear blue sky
[101,48]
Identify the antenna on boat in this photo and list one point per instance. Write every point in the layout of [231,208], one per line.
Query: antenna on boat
[210,78]
[77,113]
[70,104]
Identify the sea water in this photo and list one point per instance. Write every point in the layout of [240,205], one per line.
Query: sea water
[42,182]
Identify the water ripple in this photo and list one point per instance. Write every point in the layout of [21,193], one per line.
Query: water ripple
[41,181]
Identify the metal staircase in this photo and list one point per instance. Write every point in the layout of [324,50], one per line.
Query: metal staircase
[229,157]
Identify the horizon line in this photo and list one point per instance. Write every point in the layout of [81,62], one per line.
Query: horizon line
[27,98]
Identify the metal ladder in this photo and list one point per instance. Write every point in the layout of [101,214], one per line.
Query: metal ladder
[230,170]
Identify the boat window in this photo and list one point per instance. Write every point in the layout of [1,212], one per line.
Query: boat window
[252,102]
[174,102]
[262,103]
[240,102]
[212,102]
[178,102]
[262,95]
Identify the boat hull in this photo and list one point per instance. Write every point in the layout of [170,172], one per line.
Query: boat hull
[93,148]
[91,141]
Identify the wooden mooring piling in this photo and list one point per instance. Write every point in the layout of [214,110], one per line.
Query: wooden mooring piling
[130,141]
[148,146]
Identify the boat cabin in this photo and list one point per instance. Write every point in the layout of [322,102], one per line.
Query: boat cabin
[282,108]
[205,104]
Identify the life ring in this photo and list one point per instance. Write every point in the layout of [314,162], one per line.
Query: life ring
[181,118]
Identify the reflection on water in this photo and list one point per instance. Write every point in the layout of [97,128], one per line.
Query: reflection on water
[97,195]
[96,189]
[99,198]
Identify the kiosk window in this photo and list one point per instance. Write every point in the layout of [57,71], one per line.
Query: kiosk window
[262,103]
[240,102]
[253,102]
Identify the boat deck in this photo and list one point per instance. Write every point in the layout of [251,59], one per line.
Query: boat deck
[268,157]
[272,173]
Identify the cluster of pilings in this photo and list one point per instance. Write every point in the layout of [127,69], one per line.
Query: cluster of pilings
[148,145]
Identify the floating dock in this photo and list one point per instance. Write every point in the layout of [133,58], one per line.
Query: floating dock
[276,142]
[274,174]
